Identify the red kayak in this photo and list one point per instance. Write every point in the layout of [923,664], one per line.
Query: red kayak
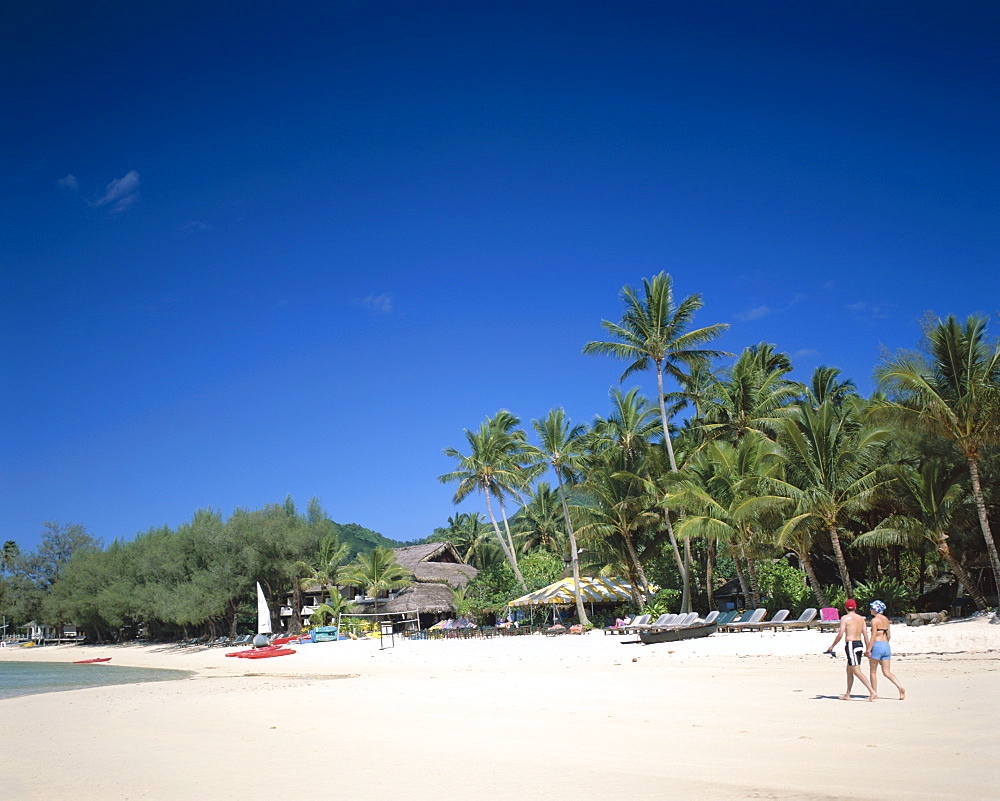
[284,640]
[88,661]
[264,654]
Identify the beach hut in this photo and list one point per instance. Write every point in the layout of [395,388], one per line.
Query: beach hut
[437,568]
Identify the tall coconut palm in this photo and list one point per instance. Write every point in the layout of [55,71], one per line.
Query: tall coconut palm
[752,397]
[377,571]
[499,467]
[539,523]
[831,470]
[952,391]
[825,385]
[653,332]
[727,501]
[931,494]
[560,446]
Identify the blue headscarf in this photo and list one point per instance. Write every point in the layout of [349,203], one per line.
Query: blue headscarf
[877,607]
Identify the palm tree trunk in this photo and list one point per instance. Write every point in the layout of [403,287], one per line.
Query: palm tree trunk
[633,554]
[752,578]
[984,521]
[941,543]
[575,561]
[685,579]
[742,577]
[817,588]
[511,559]
[838,554]
[709,573]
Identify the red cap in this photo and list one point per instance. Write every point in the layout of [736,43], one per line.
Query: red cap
[850,603]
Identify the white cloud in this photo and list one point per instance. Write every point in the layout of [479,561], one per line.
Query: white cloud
[194,226]
[120,193]
[378,303]
[753,314]
[805,353]
[69,182]
[867,311]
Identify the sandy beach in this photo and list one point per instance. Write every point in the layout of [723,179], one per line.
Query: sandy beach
[749,715]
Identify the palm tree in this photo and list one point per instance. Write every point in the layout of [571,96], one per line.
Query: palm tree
[752,396]
[326,569]
[561,448]
[472,538]
[539,524]
[654,332]
[931,494]
[726,500]
[377,571]
[952,391]
[825,385]
[831,470]
[498,466]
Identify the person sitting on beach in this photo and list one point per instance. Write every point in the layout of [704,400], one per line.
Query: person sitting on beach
[619,622]
[854,631]
[878,651]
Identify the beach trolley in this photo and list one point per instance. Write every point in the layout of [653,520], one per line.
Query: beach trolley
[325,634]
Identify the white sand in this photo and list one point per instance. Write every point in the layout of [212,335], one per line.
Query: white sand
[746,715]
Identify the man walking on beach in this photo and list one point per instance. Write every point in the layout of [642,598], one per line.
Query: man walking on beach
[854,631]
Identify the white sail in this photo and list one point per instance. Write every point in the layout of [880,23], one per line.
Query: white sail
[263,613]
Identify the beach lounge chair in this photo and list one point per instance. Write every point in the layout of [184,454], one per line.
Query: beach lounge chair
[619,629]
[829,618]
[636,624]
[801,622]
[711,617]
[660,622]
[724,619]
[685,620]
[776,620]
[748,618]
[736,617]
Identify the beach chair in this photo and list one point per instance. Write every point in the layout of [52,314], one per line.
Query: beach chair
[636,624]
[778,618]
[748,618]
[618,629]
[685,620]
[801,622]
[711,617]
[829,619]
[724,618]
[660,622]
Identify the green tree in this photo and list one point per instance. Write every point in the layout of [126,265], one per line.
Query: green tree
[472,538]
[931,495]
[952,391]
[378,572]
[831,470]
[498,466]
[561,446]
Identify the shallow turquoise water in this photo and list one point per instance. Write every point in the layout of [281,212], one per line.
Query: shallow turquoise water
[28,678]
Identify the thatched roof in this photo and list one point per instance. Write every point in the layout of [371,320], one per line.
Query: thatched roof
[437,563]
[425,598]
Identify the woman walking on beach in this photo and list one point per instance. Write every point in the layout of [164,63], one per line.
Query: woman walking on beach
[878,648]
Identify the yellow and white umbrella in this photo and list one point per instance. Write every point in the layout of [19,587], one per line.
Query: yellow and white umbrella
[592,590]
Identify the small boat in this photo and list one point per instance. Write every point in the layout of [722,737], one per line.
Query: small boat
[88,661]
[264,653]
[649,636]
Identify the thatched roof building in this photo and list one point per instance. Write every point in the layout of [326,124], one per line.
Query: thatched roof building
[436,568]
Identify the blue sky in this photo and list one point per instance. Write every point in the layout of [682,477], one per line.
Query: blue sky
[259,249]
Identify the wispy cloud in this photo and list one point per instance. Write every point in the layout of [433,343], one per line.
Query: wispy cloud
[753,314]
[863,310]
[377,303]
[805,353]
[195,226]
[69,182]
[120,193]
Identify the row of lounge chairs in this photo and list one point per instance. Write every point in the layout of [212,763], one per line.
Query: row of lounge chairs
[750,620]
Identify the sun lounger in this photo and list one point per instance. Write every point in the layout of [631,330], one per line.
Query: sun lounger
[636,624]
[660,622]
[619,629]
[747,619]
[776,620]
[801,622]
[725,618]
[829,618]
[711,617]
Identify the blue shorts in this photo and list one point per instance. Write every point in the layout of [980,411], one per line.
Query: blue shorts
[880,650]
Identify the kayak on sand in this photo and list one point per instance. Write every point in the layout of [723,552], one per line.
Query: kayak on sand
[88,661]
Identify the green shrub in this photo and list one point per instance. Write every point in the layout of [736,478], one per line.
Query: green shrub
[783,587]
[666,600]
[897,596]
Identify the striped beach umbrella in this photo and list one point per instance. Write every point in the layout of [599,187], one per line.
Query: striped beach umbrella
[592,590]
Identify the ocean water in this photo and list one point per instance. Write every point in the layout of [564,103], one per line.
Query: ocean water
[28,678]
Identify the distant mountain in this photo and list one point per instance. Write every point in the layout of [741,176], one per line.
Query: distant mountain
[361,540]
